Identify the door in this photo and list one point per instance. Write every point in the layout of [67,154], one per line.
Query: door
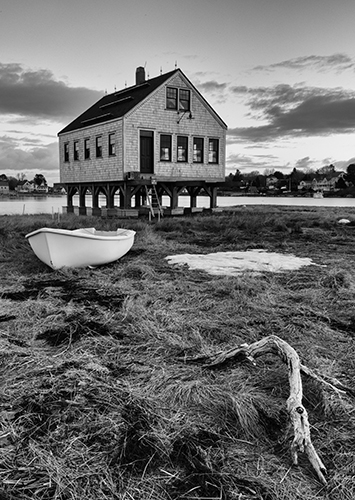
[146,152]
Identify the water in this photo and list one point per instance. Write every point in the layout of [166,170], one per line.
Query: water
[54,204]
[32,205]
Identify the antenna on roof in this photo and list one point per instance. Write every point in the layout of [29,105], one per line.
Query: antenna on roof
[175,64]
[161,70]
[105,91]
[125,84]
[115,88]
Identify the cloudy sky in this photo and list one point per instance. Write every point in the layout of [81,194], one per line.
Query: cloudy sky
[281,73]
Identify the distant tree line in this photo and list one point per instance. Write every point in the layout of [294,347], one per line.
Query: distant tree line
[38,180]
[278,181]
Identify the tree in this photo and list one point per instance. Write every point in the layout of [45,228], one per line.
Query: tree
[13,182]
[260,181]
[269,171]
[295,178]
[40,180]
[326,170]
[350,173]
[21,176]
[279,175]
[238,176]
[251,176]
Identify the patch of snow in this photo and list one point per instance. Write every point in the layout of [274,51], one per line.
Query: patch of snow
[343,221]
[233,263]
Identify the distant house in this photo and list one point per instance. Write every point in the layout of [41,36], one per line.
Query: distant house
[272,182]
[25,186]
[43,188]
[160,132]
[4,187]
[321,183]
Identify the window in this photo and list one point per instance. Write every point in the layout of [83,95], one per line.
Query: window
[171,98]
[184,100]
[112,144]
[87,149]
[76,150]
[182,145]
[165,147]
[175,96]
[213,151]
[198,150]
[99,146]
[66,151]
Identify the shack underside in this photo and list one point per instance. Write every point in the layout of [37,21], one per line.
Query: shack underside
[135,196]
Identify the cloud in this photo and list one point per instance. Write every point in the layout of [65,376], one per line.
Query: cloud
[253,162]
[340,165]
[37,158]
[213,89]
[212,86]
[37,94]
[338,62]
[304,163]
[294,111]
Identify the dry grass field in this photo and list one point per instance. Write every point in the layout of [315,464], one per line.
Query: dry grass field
[100,397]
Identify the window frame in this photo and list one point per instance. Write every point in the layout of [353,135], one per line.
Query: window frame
[179,145]
[87,150]
[216,150]
[98,146]
[112,145]
[187,100]
[66,152]
[170,98]
[76,154]
[195,150]
[165,148]
[175,103]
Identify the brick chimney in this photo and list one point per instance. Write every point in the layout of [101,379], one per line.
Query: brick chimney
[140,75]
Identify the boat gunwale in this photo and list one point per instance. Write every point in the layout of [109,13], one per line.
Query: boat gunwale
[88,236]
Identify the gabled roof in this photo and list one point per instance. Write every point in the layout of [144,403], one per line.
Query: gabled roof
[118,104]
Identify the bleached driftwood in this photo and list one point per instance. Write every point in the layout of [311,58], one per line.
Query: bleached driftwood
[297,412]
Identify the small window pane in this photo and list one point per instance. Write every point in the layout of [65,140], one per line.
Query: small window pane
[182,143]
[66,151]
[165,147]
[184,100]
[111,144]
[98,147]
[171,98]
[87,149]
[198,150]
[76,150]
[213,151]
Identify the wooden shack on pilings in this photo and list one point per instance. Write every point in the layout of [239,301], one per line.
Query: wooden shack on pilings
[159,137]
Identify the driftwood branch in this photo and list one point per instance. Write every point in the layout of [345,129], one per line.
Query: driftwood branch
[297,412]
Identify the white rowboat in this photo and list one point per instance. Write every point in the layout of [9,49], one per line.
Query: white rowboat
[80,247]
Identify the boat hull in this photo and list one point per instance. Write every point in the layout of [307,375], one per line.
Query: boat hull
[85,247]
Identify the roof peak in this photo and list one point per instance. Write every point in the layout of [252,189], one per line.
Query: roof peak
[146,82]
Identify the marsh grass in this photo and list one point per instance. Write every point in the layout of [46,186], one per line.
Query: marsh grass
[98,400]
